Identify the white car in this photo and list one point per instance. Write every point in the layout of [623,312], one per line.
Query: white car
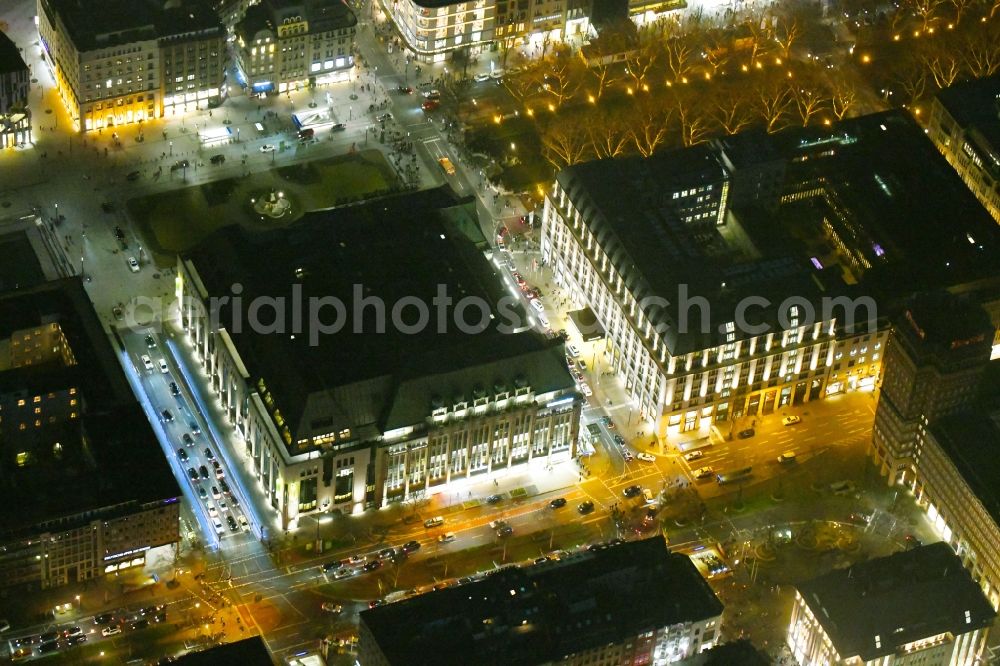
[790,420]
[447,537]
[111,631]
[537,304]
[267,148]
[432,94]
[163,366]
[133,265]
[694,455]
[147,362]
[572,351]
[343,573]
[479,78]
[585,389]
[218,526]
[703,472]
[212,512]
[331,607]
[242,520]
[646,457]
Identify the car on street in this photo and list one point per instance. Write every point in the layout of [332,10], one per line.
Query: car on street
[174,389]
[187,439]
[493,499]
[432,94]
[111,630]
[585,389]
[233,527]
[496,74]
[404,90]
[48,646]
[306,133]
[694,455]
[195,430]
[790,420]
[133,265]
[213,512]
[217,159]
[787,457]
[243,522]
[447,166]
[342,573]
[746,434]
[339,127]
[842,488]
[607,422]
[139,624]
[447,537]
[193,473]
[479,78]
[538,305]
[372,566]
[411,546]
[632,491]
[106,618]
[208,454]
[203,471]
[627,455]
[215,493]
[330,607]
[180,164]
[383,117]
[646,457]
[356,559]
[163,366]
[557,503]
[202,493]
[267,148]
[703,472]
[218,526]
[219,473]
[132,175]
[150,342]
[619,440]
[387,553]
[497,524]
[572,351]
[505,531]
[436,521]
[77,639]
[430,105]
[146,362]
[182,454]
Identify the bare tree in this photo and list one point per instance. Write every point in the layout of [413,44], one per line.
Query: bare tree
[772,105]
[608,135]
[843,99]
[564,142]
[927,11]
[692,119]
[960,7]
[912,79]
[808,102]
[944,67]
[638,63]
[524,85]
[982,52]
[679,62]
[562,77]
[786,34]
[731,112]
[649,128]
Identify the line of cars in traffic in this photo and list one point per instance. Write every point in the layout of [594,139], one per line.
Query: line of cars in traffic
[366,563]
[219,503]
[109,624]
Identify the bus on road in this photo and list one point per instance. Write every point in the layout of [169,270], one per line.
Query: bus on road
[733,475]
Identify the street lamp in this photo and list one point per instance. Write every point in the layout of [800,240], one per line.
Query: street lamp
[171,148]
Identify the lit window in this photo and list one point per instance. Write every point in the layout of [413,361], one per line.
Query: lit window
[36,399]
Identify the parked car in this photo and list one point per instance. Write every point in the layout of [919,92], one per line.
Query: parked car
[557,503]
[411,546]
[267,148]
[646,457]
[694,455]
[632,491]
[787,457]
[790,420]
[330,607]
[746,434]
[217,159]
[703,472]
[430,105]
[447,537]
[146,362]
[493,499]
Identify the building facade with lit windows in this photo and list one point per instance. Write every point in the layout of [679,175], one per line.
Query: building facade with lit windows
[351,419]
[284,45]
[633,602]
[541,24]
[964,124]
[15,82]
[108,59]
[825,236]
[939,347]
[434,28]
[69,421]
[955,480]
[915,607]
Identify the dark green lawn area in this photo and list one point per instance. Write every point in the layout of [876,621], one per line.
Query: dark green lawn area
[174,221]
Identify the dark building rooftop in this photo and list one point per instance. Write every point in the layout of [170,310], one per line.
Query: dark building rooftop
[873,609]
[322,15]
[971,440]
[386,251]
[973,102]
[10,58]
[99,24]
[541,613]
[869,207]
[26,271]
[88,464]
[939,326]
[247,652]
